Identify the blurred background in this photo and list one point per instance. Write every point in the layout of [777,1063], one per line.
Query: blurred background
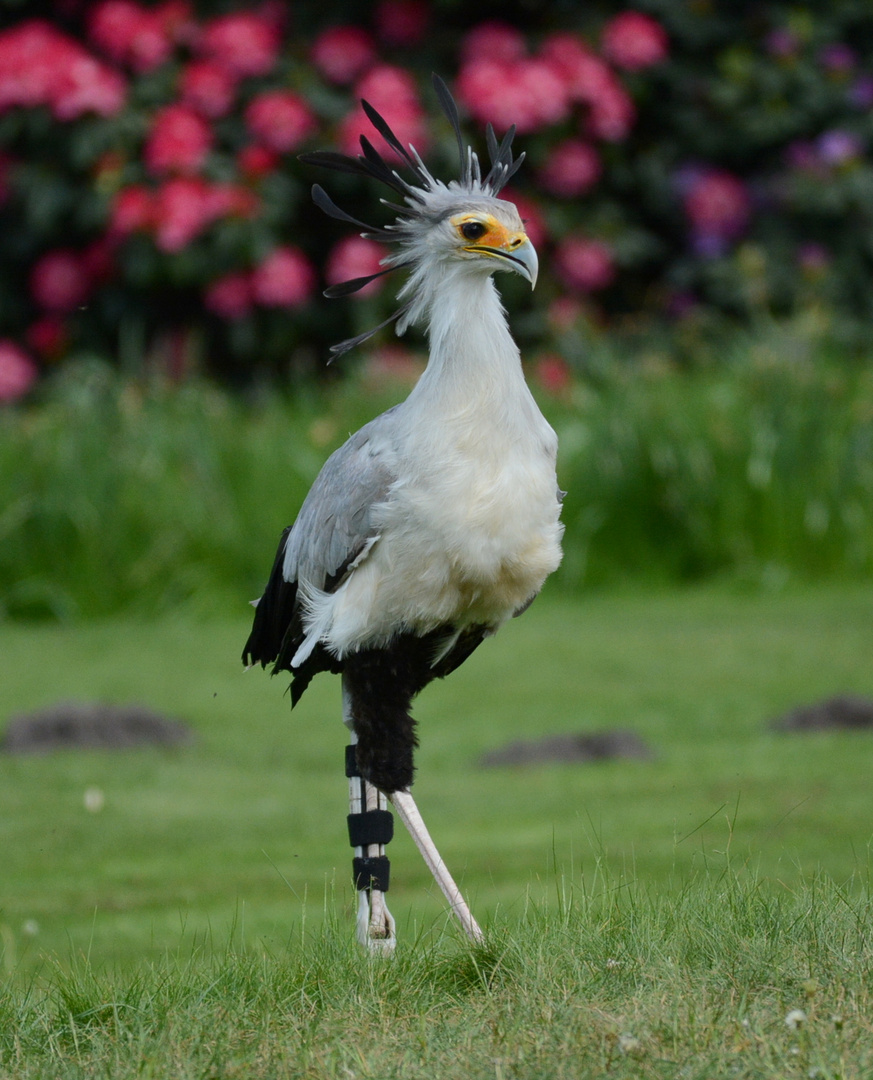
[698,183]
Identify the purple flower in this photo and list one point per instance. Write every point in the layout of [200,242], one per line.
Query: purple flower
[813,259]
[837,58]
[860,93]
[781,43]
[680,304]
[708,245]
[686,177]
[718,208]
[803,155]
[839,147]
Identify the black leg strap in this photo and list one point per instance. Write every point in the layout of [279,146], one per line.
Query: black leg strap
[372,873]
[365,828]
[352,762]
[371,827]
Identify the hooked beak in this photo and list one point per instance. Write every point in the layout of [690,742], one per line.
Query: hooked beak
[517,254]
[524,261]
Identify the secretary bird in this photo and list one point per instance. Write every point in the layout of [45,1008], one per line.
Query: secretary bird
[438,520]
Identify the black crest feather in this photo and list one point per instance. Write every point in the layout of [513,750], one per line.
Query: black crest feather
[372,164]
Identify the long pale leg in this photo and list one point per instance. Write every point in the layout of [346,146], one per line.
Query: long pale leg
[405,806]
[375,923]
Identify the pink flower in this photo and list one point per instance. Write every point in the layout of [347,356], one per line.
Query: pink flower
[183,209]
[18,372]
[393,93]
[493,40]
[177,19]
[255,161]
[280,119]
[232,200]
[408,127]
[132,210]
[584,75]
[564,312]
[41,66]
[572,167]
[130,34]
[178,141]
[87,86]
[244,42]
[59,282]
[590,81]
[207,87]
[612,115]
[29,57]
[284,279]
[553,374]
[402,23]
[355,257]
[584,265]
[634,41]
[230,296]
[388,87]
[186,206]
[48,336]
[527,93]
[543,92]
[718,205]
[342,53]
[98,260]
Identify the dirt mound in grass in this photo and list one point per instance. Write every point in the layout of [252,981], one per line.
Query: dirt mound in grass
[843,711]
[77,725]
[592,746]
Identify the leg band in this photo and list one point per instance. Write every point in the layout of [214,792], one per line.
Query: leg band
[351,762]
[371,873]
[371,827]
[369,831]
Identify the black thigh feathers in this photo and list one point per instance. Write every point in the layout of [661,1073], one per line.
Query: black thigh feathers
[381,682]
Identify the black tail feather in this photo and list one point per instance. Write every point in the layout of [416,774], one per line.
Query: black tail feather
[273,614]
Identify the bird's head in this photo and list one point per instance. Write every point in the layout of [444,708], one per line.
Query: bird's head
[461,224]
[483,234]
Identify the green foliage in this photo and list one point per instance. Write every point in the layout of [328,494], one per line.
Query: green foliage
[137,495]
[758,467]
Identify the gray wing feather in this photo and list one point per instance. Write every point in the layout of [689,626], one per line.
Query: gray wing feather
[335,522]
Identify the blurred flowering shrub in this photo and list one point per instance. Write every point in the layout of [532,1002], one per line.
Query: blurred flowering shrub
[681,159]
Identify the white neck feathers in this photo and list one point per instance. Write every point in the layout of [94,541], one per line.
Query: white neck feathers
[472,353]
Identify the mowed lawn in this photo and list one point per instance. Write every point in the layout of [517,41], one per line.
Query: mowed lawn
[242,835]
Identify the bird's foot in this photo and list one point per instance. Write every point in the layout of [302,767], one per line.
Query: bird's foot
[376,930]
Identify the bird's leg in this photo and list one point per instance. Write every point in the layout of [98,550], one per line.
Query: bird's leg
[405,806]
[370,829]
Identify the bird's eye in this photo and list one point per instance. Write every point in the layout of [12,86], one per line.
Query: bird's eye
[473,230]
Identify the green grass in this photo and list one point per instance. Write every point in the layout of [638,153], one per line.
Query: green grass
[722,979]
[644,919]
[247,824]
